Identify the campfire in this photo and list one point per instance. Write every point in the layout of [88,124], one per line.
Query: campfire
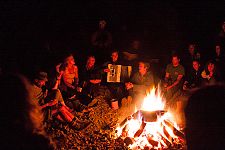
[151,126]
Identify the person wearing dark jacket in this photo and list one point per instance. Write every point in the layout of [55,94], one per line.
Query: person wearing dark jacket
[90,80]
[193,77]
[140,82]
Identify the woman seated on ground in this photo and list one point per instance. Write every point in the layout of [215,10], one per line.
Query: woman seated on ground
[72,102]
[53,101]
[69,77]
[210,74]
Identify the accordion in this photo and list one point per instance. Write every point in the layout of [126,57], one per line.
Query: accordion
[118,73]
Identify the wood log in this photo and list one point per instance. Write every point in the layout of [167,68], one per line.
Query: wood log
[167,134]
[128,141]
[124,122]
[152,142]
[139,132]
[175,131]
[167,142]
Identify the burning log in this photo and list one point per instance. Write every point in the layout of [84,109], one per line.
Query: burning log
[128,141]
[156,131]
[124,131]
[152,142]
[124,122]
[167,142]
[168,137]
[175,131]
[139,132]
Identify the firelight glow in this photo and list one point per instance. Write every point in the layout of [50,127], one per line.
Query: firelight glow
[153,102]
[154,135]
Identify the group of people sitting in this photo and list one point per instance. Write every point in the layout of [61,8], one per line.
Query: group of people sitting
[70,88]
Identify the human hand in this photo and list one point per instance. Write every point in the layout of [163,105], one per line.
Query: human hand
[52,103]
[168,88]
[185,87]
[79,89]
[129,85]
[107,70]
[165,85]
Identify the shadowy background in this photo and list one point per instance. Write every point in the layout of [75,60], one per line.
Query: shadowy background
[38,34]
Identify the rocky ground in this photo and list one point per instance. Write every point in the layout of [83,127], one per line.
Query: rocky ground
[100,134]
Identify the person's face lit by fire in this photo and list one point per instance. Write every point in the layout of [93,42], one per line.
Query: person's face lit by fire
[114,56]
[175,61]
[191,48]
[211,67]
[102,24]
[218,49]
[195,65]
[91,62]
[70,60]
[142,68]
[40,83]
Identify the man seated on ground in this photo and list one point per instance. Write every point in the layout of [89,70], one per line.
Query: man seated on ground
[193,78]
[140,82]
[192,81]
[116,89]
[52,102]
[173,81]
[175,99]
[21,123]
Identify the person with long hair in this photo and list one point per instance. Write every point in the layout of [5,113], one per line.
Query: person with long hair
[70,77]
[210,74]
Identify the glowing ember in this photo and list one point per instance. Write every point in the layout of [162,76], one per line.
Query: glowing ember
[152,126]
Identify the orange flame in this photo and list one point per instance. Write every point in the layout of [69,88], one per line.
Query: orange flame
[152,101]
[154,130]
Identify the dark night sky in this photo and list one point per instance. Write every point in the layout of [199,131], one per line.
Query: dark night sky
[26,27]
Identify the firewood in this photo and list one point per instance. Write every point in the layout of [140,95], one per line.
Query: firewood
[175,131]
[167,142]
[167,134]
[139,132]
[152,142]
[128,141]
